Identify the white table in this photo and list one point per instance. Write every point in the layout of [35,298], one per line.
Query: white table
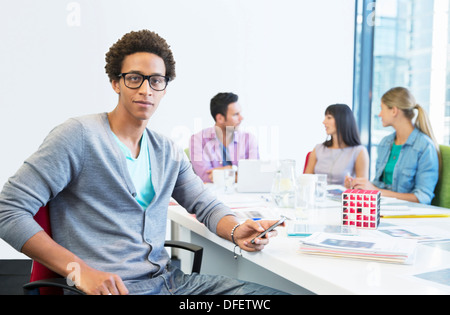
[9,253]
[280,265]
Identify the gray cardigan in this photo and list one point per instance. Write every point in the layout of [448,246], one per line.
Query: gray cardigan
[81,172]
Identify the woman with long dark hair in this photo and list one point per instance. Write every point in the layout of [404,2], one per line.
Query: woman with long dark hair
[342,153]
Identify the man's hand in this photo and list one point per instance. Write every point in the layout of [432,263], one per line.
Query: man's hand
[249,230]
[44,249]
[96,282]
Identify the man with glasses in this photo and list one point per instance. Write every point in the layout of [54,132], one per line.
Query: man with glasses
[108,181]
[224,144]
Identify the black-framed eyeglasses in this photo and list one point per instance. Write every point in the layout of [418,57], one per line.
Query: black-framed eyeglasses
[135,80]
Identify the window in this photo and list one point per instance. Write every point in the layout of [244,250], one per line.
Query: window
[409,41]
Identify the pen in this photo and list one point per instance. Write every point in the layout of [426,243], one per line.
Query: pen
[416,216]
[350,179]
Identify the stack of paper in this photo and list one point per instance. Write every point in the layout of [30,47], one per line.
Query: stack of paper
[393,250]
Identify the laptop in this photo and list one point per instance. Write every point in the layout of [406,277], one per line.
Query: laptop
[256,176]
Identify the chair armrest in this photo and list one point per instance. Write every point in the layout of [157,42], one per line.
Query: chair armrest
[32,288]
[197,250]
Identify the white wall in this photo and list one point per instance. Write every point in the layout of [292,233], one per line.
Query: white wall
[52,62]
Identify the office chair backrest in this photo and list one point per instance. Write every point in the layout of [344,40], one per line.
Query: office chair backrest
[442,191]
[39,271]
[306,162]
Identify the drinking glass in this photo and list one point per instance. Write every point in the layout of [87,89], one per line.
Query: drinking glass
[321,187]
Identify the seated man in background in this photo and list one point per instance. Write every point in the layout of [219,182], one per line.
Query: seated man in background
[222,145]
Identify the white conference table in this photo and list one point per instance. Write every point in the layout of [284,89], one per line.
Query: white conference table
[280,265]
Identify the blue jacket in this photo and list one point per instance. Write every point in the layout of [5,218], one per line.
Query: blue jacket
[417,167]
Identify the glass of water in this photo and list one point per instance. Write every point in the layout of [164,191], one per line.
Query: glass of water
[321,187]
[230,179]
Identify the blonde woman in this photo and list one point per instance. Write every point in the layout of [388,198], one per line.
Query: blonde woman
[407,166]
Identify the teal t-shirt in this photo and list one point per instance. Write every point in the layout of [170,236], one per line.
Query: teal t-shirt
[390,165]
[140,171]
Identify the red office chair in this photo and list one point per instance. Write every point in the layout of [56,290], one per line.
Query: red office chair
[306,161]
[43,281]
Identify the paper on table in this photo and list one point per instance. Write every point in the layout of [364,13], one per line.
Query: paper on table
[362,247]
[390,200]
[405,211]
[243,214]
[439,276]
[420,233]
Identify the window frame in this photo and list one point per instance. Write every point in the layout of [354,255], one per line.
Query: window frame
[363,68]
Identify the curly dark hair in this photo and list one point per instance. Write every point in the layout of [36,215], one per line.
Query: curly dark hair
[140,41]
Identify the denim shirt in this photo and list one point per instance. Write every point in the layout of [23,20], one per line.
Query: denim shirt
[417,168]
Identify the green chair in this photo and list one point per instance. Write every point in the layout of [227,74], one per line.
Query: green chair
[187,153]
[442,191]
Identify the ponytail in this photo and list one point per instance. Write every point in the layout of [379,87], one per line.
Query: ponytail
[424,125]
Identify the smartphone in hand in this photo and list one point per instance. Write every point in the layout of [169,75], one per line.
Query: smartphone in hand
[271,228]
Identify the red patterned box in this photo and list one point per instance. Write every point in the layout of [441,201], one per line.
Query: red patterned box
[361,208]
